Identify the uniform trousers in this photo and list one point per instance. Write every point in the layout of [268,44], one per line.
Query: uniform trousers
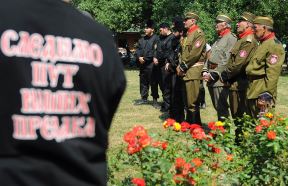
[192,88]
[219,97]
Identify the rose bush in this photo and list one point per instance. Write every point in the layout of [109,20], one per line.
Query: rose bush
[190,154]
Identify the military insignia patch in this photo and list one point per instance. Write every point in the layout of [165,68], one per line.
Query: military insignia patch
[198,44]
[273,59]
[242,53]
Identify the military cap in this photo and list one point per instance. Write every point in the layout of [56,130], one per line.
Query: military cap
[191,15]
[150,24]
[247,16]
[164,25]
[223,18]
[264,20]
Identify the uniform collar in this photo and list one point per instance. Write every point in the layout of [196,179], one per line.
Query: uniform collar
[192,29]
[225,32]
[246,33]
[269,36]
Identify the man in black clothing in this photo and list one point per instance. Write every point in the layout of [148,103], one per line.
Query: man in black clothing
[176,110]
[163,50]
[61,81]
[144,55]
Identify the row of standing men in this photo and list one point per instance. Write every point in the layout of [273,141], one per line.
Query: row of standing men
[243,69]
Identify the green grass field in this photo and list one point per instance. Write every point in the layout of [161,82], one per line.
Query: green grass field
[129,115]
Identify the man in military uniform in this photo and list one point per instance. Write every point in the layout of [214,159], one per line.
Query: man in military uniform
[192,62]
[163,50]
[216,63]
[264,68]
[235,73]
[144,55]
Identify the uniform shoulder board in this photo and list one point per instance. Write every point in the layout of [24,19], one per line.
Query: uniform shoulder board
[249,38]
[199,31]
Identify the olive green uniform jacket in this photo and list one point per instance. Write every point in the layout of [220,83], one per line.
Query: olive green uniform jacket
[264,69]
[241,54]
[193,54]
[219,56]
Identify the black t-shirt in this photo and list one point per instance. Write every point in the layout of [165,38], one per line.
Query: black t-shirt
[61,82]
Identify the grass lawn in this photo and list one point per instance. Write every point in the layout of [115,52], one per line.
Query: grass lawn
[129,115]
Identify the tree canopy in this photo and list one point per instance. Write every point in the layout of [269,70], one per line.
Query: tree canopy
[123,15]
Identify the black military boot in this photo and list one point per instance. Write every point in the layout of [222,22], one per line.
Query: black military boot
[156,104]
[141,102]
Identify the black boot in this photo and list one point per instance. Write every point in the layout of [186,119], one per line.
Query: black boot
[193,117]
[156,104]
[141,102]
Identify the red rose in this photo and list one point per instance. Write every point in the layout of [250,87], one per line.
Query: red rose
[138,181]
[185,126]
[194,126]
[145,140]
[264,123]
[198,133]
[164,145]
[197,162]
[170,121]
[216,150]
[179,163]
[258,128]
[271,135]
[186,169]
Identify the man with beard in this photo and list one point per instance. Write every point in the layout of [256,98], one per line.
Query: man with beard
[144,55]
[191,65]
[264,68]
[216,63]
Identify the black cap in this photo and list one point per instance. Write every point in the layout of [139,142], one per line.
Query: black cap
[164,25]
[150,24]
[178,24]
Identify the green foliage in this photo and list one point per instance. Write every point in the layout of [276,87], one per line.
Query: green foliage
[189,154]
[121,15]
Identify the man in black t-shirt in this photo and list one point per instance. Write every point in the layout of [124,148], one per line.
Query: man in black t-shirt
[61,82]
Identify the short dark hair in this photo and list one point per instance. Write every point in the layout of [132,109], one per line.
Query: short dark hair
[164,25]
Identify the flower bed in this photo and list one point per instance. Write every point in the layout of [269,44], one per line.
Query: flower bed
[190,154]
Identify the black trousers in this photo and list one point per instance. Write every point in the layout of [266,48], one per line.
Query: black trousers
[176,99]
[165,86]
[147,79]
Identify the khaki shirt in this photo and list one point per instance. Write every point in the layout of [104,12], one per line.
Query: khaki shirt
[241,54]
[219,56]
[264,69]
[193,53]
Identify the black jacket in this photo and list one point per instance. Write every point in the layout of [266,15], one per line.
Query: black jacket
[146,48]
[61,81]
[164,48]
